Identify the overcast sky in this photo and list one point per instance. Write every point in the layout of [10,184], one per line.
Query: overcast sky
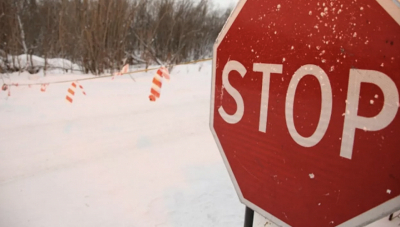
[225,3]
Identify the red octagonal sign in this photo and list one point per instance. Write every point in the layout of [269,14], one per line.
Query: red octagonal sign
[304,109]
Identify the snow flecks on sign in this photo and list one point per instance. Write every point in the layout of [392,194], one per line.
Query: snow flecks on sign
[388,191]
[278,7]
[355,34]
[332,69]
[376,96]
[382,65]
[312,176]
[285,215]
[371,101]
[292,48]
[284,59]
[310,13]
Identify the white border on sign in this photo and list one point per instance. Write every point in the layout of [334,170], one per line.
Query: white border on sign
[383,210]
[391,8]
[363,219]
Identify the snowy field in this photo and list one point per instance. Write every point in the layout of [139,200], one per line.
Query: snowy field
[113,158]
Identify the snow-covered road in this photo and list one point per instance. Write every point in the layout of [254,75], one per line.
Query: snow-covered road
[113,158]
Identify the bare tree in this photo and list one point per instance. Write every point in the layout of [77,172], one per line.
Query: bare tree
[101,35]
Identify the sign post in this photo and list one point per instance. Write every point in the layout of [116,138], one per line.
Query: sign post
[305,109]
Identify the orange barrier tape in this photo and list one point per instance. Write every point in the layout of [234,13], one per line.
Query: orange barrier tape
[71,91]
[43,87]
[123,71]
[157,83]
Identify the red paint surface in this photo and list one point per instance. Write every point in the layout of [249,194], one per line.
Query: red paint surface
[272,170]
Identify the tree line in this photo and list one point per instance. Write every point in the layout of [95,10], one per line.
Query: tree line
[102,35]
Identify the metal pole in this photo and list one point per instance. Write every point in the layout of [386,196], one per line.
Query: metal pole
[248,217]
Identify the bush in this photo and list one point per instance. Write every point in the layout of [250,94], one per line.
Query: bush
[102,35]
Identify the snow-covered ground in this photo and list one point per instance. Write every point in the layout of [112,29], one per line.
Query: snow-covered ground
[113,158]
[23,60]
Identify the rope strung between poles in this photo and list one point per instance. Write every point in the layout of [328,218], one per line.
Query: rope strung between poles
[105,76]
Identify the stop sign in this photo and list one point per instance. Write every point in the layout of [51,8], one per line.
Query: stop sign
[304,109]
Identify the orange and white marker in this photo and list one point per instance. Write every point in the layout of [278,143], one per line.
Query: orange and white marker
[5,87]
[122,72]
[71,91]
[43,87]
[157,83]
